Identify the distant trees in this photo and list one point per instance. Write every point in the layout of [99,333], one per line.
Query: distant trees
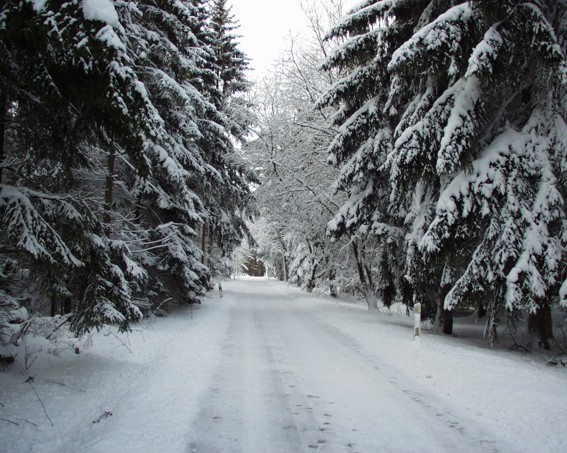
[296,198]
[116,147]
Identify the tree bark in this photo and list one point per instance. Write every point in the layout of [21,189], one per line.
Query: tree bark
[53,306]
[359,266]
[284,261]
[311,281]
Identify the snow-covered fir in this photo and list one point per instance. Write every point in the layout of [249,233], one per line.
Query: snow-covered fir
[451,129]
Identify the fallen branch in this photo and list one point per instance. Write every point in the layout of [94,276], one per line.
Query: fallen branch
[24,327]
[515,346]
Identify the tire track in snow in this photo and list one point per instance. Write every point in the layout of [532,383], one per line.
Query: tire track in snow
[250,406]
[422,397]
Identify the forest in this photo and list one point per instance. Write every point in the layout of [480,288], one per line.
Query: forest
[404,151]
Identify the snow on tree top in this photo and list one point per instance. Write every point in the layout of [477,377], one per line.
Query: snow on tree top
[38,5]
[101,10]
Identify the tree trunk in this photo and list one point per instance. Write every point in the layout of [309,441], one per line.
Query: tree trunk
[67,306]
[370,297]
[447,321]
[53,306]
[311,281]
[367,289]
[203,241]
[540,322]
[3,115]
[284,261]
[211,236]
[446,316]
[109,189]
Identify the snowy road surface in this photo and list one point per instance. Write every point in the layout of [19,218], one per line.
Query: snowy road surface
[288,381]
[268,368]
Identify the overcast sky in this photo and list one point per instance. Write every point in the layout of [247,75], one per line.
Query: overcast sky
[265,25]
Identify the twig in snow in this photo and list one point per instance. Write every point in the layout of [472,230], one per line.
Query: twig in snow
[65,385]
[24,371]
[29,380]
[26,421]
[42,405]
[9,421]
[105,414]
[29,358]
[516,345]
[123,344]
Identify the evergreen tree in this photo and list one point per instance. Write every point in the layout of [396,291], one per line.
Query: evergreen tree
[365,128]
[173,65]
[229,198]
[456,112]
[230,62]
[50,51]
[110,151]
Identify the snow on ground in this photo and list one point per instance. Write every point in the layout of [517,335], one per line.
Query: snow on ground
[268,368]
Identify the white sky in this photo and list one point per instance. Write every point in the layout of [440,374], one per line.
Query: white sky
[265,25]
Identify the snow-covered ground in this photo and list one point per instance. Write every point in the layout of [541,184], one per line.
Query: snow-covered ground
[268,368]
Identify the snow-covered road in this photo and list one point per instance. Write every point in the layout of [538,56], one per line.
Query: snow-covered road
[268,368]
[288,380]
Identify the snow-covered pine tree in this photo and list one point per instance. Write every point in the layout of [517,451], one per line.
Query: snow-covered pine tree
[468,101]
[365,129]
[172,45]
[227,200]
[51,51]
[172,63]
[230,62]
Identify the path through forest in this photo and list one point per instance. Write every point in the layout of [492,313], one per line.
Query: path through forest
[289,381]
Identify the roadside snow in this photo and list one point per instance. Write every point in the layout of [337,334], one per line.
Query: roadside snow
[269,368]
